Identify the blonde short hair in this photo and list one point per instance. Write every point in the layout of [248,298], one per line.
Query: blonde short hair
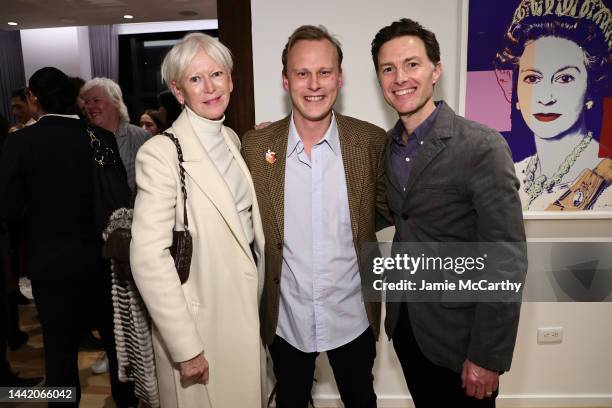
[179,57]
[310,33]
[112,91]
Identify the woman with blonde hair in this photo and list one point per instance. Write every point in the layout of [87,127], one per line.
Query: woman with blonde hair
[208,351]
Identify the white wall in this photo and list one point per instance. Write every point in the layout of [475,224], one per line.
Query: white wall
[167,26]
[354,22]
[84,52]
[66,48]
[573,373]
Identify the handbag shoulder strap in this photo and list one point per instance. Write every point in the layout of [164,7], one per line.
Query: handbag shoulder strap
[182,176]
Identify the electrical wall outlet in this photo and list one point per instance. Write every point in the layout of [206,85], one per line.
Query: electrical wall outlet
[550,335]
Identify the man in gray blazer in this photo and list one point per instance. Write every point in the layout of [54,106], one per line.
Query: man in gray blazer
[448,180]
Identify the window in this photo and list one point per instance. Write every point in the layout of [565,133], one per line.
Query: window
[140,59]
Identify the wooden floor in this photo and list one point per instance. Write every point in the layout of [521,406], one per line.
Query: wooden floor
[28,362]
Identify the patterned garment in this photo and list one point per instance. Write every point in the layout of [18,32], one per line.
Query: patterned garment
[133,339]
[362,146]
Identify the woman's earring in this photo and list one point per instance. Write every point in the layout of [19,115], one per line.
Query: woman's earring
[518,106]
[589,104]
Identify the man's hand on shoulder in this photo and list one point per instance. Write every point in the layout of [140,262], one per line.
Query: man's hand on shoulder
[262,125]
[478,381]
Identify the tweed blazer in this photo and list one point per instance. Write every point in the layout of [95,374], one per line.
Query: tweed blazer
[363,146]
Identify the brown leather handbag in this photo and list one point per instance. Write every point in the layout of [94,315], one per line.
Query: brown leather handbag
[117,242]
[182,244]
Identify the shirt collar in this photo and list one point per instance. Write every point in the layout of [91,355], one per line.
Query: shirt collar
[331,138]
[420,132]
[54,114]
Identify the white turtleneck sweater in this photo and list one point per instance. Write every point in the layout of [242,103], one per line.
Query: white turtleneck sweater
[209,133]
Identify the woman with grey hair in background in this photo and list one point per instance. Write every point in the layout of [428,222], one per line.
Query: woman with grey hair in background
[104,105]
[208,351]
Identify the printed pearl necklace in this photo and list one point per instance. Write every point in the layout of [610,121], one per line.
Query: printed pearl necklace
[534,187]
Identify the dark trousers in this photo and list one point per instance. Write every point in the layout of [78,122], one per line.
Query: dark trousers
[352,366]
[5,369]
[65,308]
[430,385]
[14,330]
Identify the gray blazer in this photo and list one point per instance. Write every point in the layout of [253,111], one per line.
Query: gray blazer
[462,188]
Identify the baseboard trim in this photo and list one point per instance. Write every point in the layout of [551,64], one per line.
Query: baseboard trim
[526,400]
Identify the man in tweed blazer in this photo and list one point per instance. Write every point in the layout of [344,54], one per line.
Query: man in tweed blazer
[319,179]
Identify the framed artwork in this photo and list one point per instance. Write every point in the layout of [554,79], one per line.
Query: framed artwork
[539,72]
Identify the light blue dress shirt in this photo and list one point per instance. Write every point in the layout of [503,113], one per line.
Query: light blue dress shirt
[321,306]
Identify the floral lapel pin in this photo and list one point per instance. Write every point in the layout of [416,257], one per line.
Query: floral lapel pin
[270,156]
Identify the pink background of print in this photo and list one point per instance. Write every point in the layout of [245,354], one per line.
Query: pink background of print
[485,101]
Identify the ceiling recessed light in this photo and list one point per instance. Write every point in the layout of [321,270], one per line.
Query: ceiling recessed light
[12,23]
[128,16]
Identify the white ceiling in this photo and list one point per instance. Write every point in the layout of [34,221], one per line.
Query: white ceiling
[61,13]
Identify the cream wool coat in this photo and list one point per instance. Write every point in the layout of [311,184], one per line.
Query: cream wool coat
[216,310]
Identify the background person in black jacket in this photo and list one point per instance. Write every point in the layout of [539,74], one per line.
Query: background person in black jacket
[48,170]
[7,377]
